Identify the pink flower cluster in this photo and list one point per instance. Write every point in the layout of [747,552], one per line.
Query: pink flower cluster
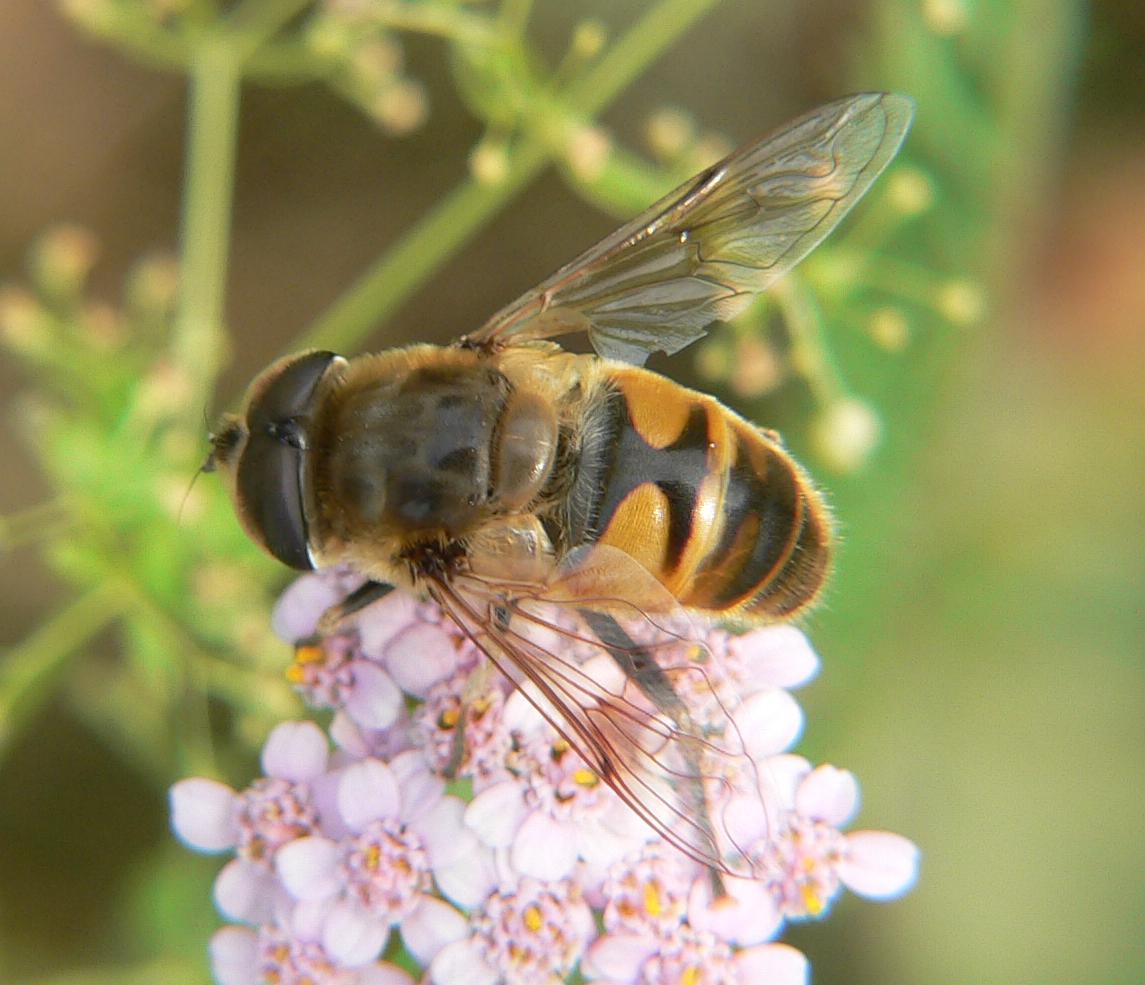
[449,831]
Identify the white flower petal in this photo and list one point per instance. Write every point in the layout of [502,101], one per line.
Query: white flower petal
[375,700]
[879,864]
[776,964]
[384,973]
[299,608]
[421,790]
[234,956]
[496,813]
[432,925]
[383,620]
[745,818]
[348,735]
[470,879]
[352,937]
[781,776]
[308,867]
[203,814]
[605,674]
[828,794]
[617,957]
[520,714]
[306,918]
[444,832]
[460,963]
[600,847]
[246,892]
[780,656]
[544,848]
[420,656]
[747,915]
[769,721]
[367,792]
[295,751]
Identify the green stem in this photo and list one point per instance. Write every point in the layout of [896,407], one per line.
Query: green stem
[211,134]
[31,669]
[809,353]
[216,76]
[409,264]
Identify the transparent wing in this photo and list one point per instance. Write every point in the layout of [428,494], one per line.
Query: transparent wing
[639,696]
[701,253]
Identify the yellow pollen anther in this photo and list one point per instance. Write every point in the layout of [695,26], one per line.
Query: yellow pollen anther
[811,901]
[691,975]
[449,718]
[652,903]
[533,919]
[373,857]
[296,674]
[585,778]
[309,654]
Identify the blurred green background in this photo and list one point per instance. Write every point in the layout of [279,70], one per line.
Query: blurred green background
[982,638]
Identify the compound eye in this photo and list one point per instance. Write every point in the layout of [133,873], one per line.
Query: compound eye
[271,478]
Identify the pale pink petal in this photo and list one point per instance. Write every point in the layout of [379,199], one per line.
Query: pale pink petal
[352,937]
[600,847]
[203,814]
[246,892]
[460,963]
[879,864]
[383,620]
[745,818]
[308,867]
[384,973]
[349,736]
[769,722]
[781,776]
[468,880]
[747,915]
[419,657]
[605,674]
[496,813]
[520,714]
[775,964]
[432,925]
[306,918]
[828,794]
[375,700]
[544,848]
[617,956]
[623,821]
[779,656]
[421,790]
[367,791]
[324,797]
[234,957]
[444,832]
[295,751]
[299,608]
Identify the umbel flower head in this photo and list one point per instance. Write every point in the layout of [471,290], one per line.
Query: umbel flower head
[447,829]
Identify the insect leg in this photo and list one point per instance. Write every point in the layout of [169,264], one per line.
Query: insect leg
[362,597]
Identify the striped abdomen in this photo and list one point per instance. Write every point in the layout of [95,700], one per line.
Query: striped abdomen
[705,501]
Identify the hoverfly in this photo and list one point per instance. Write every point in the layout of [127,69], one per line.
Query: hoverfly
[502,474]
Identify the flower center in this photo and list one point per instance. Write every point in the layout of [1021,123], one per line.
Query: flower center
[386,868]
[272,812]
[531,935]
[321,673]
[284,961]
[800,866]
